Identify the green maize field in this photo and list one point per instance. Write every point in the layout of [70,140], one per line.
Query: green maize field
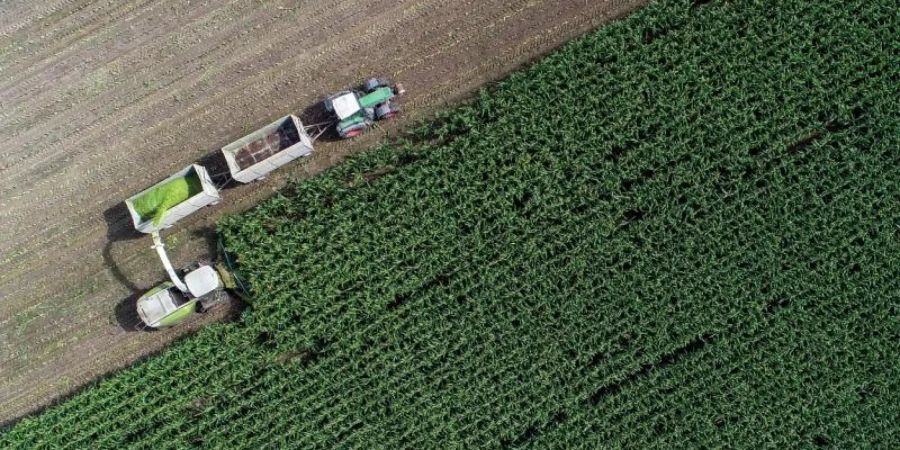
[679,231]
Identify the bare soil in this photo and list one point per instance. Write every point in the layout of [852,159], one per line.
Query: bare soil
[100,99]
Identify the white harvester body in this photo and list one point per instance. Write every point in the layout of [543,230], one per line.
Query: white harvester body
[202,281]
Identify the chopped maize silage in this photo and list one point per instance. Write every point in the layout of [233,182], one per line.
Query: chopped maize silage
[155,202]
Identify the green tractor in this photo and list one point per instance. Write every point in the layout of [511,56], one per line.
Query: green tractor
[357,109]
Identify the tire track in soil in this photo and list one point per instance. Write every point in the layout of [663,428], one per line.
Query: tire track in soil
[67,340]
[51,46]
[14,20]
[134,56]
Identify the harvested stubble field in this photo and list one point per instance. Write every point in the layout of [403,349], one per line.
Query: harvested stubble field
[679,231]
[100,99]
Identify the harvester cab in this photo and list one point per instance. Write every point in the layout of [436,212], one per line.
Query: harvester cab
[357,109]
[175,300]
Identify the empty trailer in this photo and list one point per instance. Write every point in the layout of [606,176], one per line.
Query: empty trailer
[255,155]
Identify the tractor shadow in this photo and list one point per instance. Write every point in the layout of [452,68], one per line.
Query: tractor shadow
[316,114]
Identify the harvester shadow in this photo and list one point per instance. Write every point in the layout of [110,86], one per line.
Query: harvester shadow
[127,316]
[120,229]
[210,243]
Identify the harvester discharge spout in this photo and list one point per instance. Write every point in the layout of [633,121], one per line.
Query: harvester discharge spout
[164,257]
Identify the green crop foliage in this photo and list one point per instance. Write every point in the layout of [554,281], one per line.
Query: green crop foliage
[679,231]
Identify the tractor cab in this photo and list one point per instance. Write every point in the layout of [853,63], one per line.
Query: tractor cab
[345,104]
[356,110]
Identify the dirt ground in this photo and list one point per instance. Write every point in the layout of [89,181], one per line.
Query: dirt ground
[100,99]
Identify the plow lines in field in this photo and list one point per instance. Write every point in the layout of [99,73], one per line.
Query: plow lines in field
[678,231]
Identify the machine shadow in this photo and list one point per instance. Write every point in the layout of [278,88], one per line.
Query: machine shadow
[217,167]
[210,243]
[118,229]
[315,114]
[127,316]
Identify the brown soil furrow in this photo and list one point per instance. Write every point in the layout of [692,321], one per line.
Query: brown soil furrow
[47,84]
[223,38]
[54,52]
[138,59]
[16,17]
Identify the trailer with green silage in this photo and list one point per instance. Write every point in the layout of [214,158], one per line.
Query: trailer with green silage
[161,205]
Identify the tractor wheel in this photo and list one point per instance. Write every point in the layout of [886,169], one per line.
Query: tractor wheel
[353,130]
[387,110]
[374,83]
